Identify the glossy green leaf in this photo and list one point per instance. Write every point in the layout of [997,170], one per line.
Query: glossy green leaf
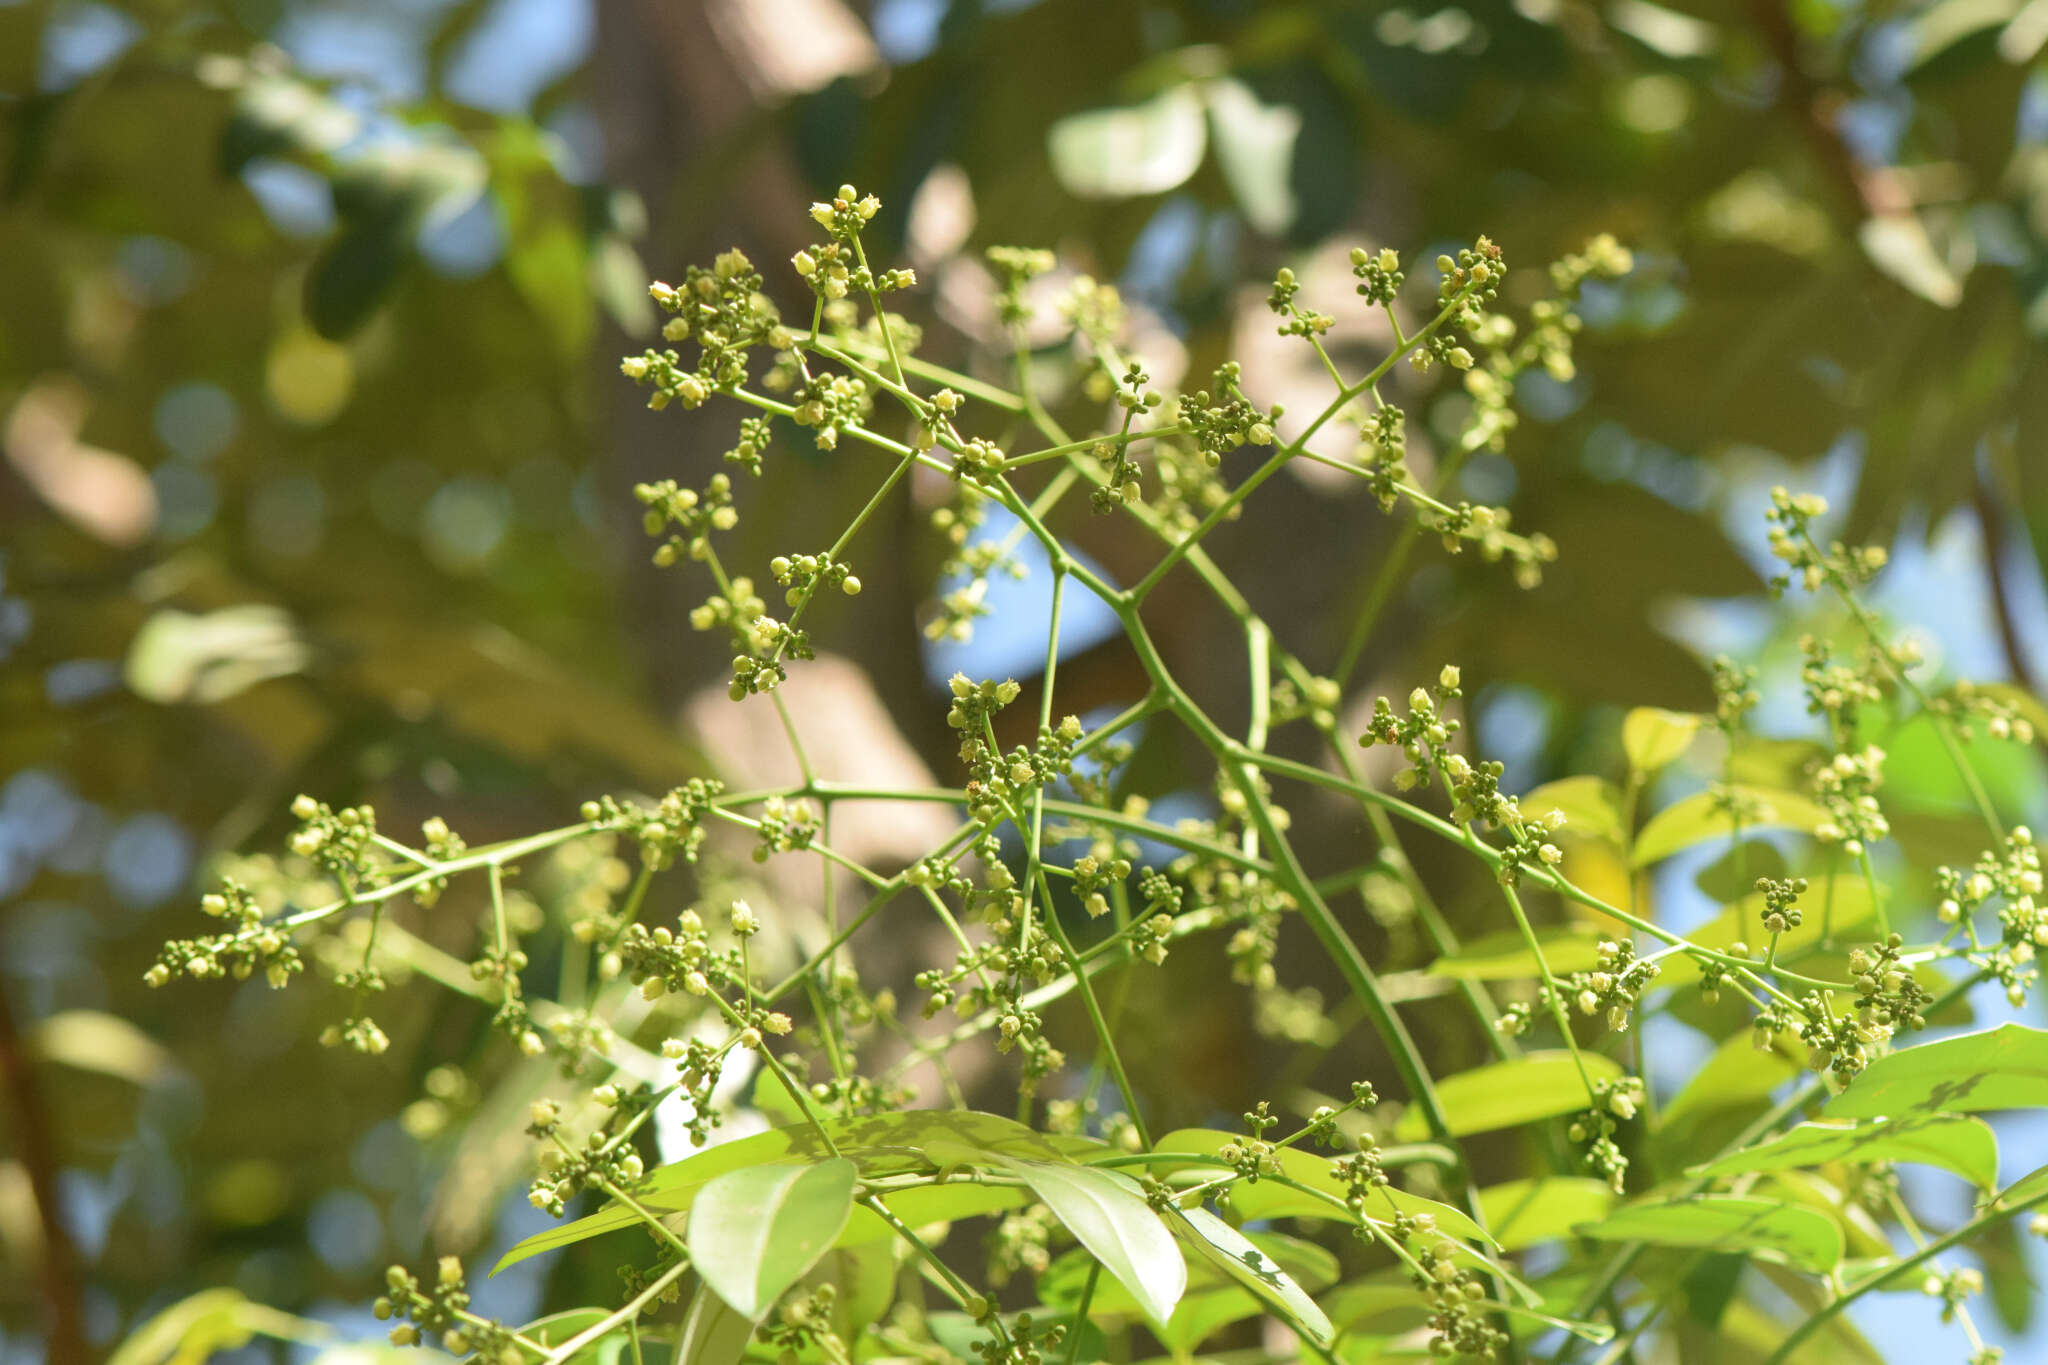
[1233,1253]
[1321,1194]
[1735,1074]
[1147,148]
[1765,1228]
[1506,956]
[1213,1299]
[1954,1142]
[2001,1068]
[755,1232]
[1255,151]
[713,1333]
[1107,1213]
[1698,818]
[1591,806]
[1654,738]
[882,1144]
[1521,1213]
[1536,1085]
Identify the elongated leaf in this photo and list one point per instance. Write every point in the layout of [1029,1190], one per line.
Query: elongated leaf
[2029,1187]
[1736,1074]
[1213,1298]
[754,1233]
[1537,1085]
[1654,738]
[1697,818]
[1506,956]
[713,1334]
[1954,1142]
[1521,1213]
[1146,148]
[2001,1068]
[1765,1228]
[1321,1194]
[1255,151]
[1228,1249]
[1107,1213]
[881,1144]
[1591,807]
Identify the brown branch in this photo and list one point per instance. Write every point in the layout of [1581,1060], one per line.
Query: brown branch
[61,1291]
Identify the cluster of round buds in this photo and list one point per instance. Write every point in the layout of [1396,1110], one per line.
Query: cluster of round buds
[1475,274]
[1015,267]
[1614,1102]
[1735,694]
[1315,701]
[1889,997]
[1781,913]
[1094,876]
[1253,1156]
[831,405]
[661,959]
[1846,787]
[440,1311]
[1458,1321]
[786,826]
[2002,719]
[1952,1287]
[1379,274]
[1422,734]
[1835,690]
[768,642]
[1223,422]
[248,944]
[846,212]
[1614,986]
[736,609]
[975,702]
[673,829]
[601,1161]
[341,842]
[1383,451]
[1295,321]
[683,518]
[1792,541]
[801,575]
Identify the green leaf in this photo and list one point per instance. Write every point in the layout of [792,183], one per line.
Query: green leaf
[882,1144]
[1953,1142]
[1765,1228]
[1536,1085]
[1654,738]
[1255,151]
[1107,1213]
[1268,1198]
[2001,1068]
[1736,1074]
[1521,1213]
[1213,1298]
[1591,806]
[1697,818]
[1506,956]
[753,1233]
[1229,1250]
[1898,245]
[713,1333]
[2031,1186]
[1119,153]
